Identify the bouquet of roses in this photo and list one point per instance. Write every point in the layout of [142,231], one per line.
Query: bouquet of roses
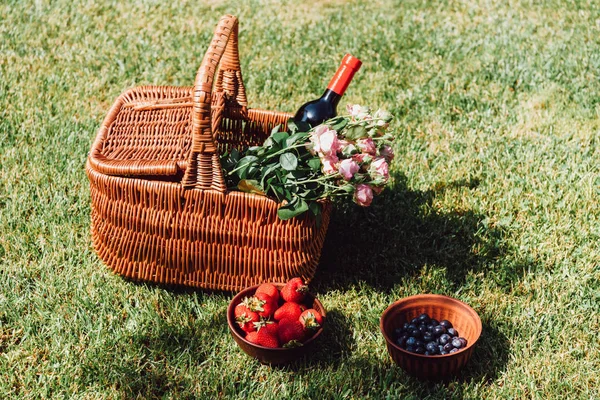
[345,157]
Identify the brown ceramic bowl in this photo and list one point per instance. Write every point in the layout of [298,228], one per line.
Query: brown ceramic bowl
[268,355]
[464,319]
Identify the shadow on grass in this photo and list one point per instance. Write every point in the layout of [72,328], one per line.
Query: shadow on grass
[146,363]
[402,232]
[366,377]
[489,358]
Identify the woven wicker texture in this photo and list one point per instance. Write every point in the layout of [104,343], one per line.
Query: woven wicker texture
[160,208]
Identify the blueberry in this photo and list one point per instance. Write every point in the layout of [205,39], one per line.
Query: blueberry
[415,333]
[398,332]
[452,332]
[410,327]
[463,341]
[440,348]
[430,327]
[424,318]
[453,351]
[456,343]
[414,321]
[411,341]
[428,337]
[444,338]
[443,352]
[432,347]
[434,322]
[405,326]
[448,347]
[410,348]
[428,353]
[420,350]
[401,341]
[438,330]
[420,343]
[423,329]
[445,323]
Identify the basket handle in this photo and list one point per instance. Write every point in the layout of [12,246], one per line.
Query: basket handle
[204,168]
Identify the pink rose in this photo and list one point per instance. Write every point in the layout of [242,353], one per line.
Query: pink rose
[367,146]
[386,152]
[329,142]
[348,168]
[357,111]
[377,189]
[361,158]
[324,140]
[315,135]
[380,167]
[363,195]
[342,144]
[329,164]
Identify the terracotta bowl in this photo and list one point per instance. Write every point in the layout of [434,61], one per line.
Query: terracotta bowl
[464,319]
[268,355]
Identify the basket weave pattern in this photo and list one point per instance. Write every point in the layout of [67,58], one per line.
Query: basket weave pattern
[160,208]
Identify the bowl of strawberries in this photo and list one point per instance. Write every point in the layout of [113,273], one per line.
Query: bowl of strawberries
[276,323]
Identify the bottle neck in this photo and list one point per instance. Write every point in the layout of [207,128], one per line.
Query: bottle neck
[342,78]
[331,97]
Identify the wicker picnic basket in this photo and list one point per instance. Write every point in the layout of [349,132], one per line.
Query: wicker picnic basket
[161,211]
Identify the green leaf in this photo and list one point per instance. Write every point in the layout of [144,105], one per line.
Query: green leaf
[268,170]
[244,164]
[251,186]
[292,209]
[268,143]
[314,207]
[297,174]
[288,161]
[280,137]
[314,164]
[277,190]
[339,125]
[275,129]
[297,126]
[296,137]
[355,132]
[234,155]
[291,126]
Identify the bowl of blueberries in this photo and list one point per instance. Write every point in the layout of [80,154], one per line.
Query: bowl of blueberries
[430,336]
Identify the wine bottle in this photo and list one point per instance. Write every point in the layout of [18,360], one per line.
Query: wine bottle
[316,111]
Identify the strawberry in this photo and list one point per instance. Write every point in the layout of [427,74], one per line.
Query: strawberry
[245,317]
[269,326]
[288,310]
[290,330]
[294,290]
[252,337]
[269,289]
[263,338]
[263,304]
[311,319]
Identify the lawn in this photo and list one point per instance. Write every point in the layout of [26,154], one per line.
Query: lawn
[494,200]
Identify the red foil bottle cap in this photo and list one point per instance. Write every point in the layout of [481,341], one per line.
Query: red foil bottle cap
[340,81]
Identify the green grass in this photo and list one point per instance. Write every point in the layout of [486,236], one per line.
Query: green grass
[495,197]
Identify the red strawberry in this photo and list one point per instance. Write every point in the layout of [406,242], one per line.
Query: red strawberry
[245,317]
[290,330]
[269,289]
[269,326]
[270,305]
[263,338]
[241,309]
[252,337]
[311,319]
[294,290]
[288,310]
